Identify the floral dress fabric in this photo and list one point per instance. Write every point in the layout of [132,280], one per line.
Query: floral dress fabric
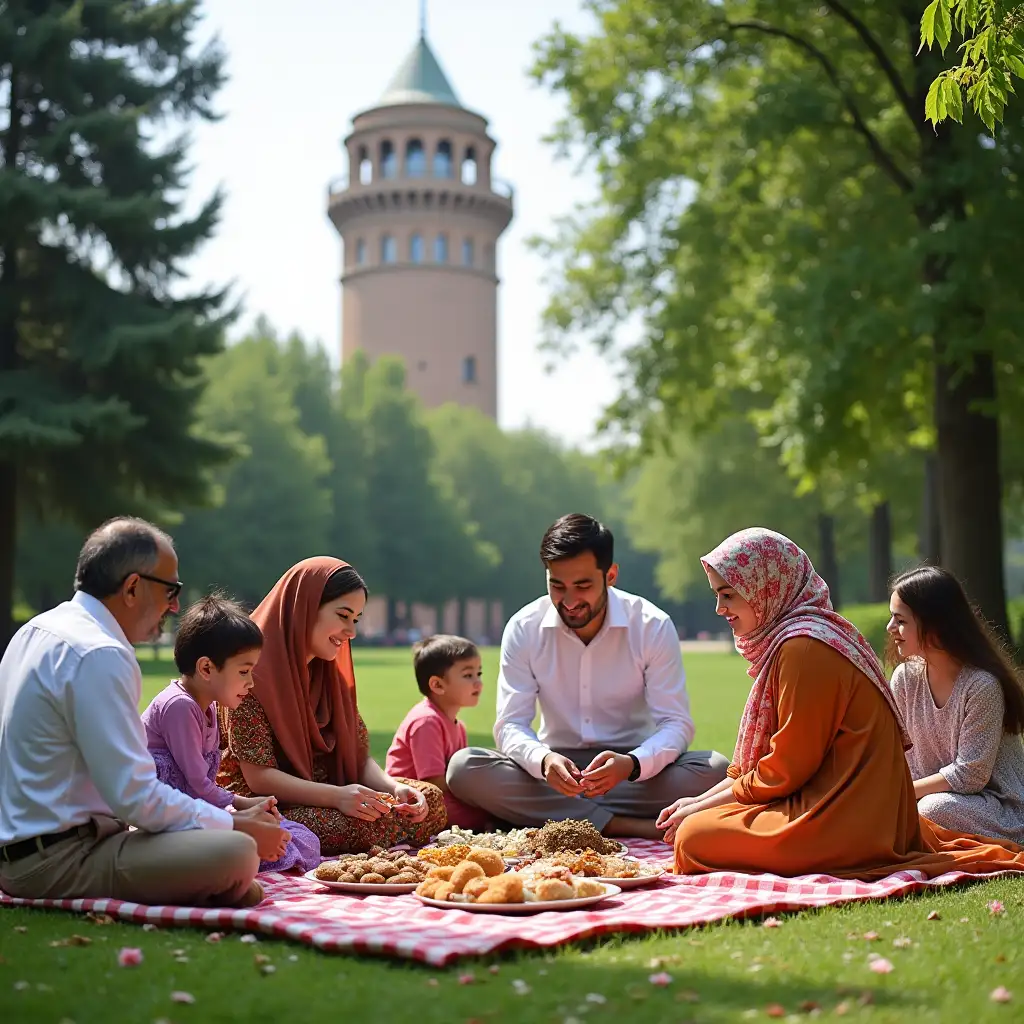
[252,740]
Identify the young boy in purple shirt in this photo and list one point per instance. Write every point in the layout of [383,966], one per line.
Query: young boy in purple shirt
[215,651]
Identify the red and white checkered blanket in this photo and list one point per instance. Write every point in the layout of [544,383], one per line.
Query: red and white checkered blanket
[400,926]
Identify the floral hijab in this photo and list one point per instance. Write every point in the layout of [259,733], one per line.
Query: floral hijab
[777,580]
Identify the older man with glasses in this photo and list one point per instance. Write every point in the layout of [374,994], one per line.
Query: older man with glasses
[75,772]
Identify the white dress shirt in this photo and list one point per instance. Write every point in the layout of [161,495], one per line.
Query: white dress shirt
[72,743]
[625,689]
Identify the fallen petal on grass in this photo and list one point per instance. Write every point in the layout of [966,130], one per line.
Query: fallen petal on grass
[1000,995]
[129,957]
[902,942]
[466,979]
[660,979]
[214,937]
[493,969]
[596,998]
[996,908]
[880,966]
[775,1010]
[771,922]
[248,938]
[842,1009]
[934,915]
[71,940]
[520,987]
[871,936]
[149,927]
[95,918]
[183,997]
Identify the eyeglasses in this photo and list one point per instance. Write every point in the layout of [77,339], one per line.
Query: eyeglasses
[173,588]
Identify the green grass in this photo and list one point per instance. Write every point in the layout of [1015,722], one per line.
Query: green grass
[720,973]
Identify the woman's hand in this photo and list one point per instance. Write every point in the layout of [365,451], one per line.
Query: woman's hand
[412,804]
[673,816]
[360,802]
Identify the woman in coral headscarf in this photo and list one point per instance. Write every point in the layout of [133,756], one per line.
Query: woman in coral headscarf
[299,736]
[819,782]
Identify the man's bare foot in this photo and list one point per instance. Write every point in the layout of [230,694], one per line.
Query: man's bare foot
[253,897]
[634,828]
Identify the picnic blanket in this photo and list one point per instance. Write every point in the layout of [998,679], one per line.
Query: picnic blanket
[400,926]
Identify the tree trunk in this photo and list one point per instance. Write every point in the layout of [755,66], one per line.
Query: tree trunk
[929,545]
[970,483]
[8,534]
[966,417]
[828,564]
[880,565]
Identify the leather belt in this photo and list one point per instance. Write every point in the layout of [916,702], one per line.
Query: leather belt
[26,847]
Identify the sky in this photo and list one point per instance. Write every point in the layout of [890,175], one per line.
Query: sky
[295,83]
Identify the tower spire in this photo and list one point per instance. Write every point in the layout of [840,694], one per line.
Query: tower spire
[423,19]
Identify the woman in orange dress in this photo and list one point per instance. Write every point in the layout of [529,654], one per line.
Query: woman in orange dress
[819,781]
[298,734]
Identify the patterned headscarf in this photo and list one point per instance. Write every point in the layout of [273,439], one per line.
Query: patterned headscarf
[776,578]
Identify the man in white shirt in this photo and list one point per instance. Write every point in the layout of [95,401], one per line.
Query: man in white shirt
[606,669]
[75,771]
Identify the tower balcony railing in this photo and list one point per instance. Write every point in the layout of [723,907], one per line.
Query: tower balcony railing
[341,183]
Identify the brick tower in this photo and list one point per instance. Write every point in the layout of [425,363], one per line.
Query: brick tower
[420,217]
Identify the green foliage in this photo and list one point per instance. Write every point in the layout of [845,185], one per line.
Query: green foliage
[991,57]
[781,225]
[871,620]
[101,344]
[274,504]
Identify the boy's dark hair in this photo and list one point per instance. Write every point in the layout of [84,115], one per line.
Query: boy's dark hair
[434,655]
[945,617]
[214,628]
[575,533]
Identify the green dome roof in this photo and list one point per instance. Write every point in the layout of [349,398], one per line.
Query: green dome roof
[420,80]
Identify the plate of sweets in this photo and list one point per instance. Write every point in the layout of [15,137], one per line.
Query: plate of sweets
[480,883]
[376,873]
[613,869]
[511,844]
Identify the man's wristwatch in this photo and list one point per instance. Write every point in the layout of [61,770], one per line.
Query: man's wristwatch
[635,773]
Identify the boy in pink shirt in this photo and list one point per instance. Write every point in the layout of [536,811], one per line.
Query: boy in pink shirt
[448,673]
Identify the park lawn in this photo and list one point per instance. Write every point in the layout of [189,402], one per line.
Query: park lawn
[816,960]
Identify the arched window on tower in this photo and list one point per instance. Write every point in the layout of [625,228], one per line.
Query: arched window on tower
[468,252]
[388,160]
[441,249]
[365,168]
[360,252]
[443,159]
[415,159]
[469,167]
[469,370]
[388,249]
[489,256]
[416,248]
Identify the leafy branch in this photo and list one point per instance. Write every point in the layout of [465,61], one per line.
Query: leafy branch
[991,56]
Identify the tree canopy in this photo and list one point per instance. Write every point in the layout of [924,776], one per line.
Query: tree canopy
[101,340]
[777,215]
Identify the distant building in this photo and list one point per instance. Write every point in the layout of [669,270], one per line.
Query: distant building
[420,217]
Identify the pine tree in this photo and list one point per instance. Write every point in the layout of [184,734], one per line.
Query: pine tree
[100,339]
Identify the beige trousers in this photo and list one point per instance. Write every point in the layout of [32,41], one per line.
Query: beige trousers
[196,868]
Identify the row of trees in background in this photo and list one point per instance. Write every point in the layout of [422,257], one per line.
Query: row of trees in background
[430,506]
[441,504]
[806,255]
